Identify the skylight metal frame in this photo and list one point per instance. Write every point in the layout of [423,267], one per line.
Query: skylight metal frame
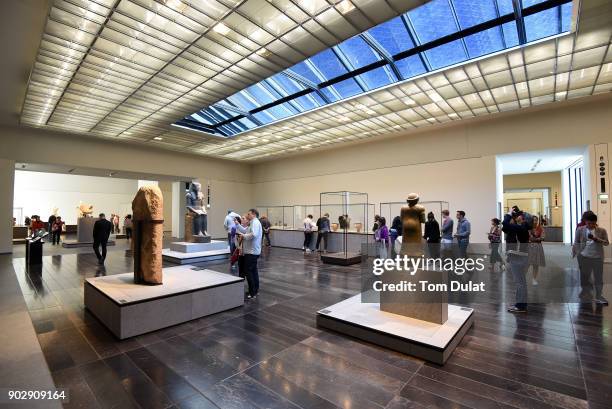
[387,60]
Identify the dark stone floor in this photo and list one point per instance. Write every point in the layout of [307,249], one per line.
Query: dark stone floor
[269,354]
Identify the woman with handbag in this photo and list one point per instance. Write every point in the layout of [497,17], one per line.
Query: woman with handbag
[494,243]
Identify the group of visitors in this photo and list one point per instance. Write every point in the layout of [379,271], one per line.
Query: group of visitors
[322,227]
[245,238]
[524,236]
[437,238]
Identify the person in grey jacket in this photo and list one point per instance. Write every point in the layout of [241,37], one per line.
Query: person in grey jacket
[589,243]
[464,229]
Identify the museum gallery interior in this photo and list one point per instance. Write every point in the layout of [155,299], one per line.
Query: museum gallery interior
[305,204]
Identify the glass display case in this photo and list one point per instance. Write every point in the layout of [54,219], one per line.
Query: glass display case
[349,213]
[389,210]
[301,211]
[280,217]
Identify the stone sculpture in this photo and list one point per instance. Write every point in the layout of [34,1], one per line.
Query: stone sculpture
[85,210]
[426,306]
[412,215]
[148,232]
[196,219]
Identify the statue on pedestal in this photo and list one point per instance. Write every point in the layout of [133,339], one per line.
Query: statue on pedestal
[196,219]
[412,215]
[148,233]
[427,306]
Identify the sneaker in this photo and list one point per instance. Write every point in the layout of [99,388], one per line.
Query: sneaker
[601,300]
[514,309]
[534,282]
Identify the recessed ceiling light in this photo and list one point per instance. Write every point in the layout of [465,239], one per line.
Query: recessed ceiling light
[409,101]
[453,115]
[221,29]
[345,6]
[265,140]
[177,5]
[263,52]
[431,120]
[158,138]
[253,143]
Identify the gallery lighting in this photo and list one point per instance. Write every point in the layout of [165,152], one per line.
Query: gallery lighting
[158,138]
[345,6]
[221,29]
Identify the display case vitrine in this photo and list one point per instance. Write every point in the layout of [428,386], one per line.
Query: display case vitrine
[301,211]
[349,213]
[389,210]
[280,217]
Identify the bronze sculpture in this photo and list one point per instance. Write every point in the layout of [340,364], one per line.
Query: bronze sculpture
[412,215]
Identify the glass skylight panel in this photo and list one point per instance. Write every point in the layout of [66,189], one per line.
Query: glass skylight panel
[305,85]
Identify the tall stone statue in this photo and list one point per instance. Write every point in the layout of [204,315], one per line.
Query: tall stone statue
[148,233]
[196,219]
[426,306]
[412,215]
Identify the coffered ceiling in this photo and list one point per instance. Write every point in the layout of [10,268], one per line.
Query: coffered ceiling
[125,70]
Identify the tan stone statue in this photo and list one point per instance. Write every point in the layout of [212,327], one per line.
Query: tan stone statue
[85,210]
[412,216]
[148,232]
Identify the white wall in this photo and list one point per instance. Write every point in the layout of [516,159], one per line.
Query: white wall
[38,193]
[7,171]
[467,184]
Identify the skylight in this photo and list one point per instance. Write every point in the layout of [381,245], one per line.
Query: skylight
[437,34]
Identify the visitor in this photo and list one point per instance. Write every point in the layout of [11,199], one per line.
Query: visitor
[127,225]
[244,222]
[56,230]
[447,232]
[251,247]
[463,233]
[494,237]
[265,225]
[27,221]
[432,236]
[36,224]
[323,228]
[14,221]
[536,250]
[589,242]
[101,231]
[394,232]
[50,222]
[517,241]
[376,223]
[308,229]
[232,232]
[228,223]
[583,283]
[116,224]
[382,238]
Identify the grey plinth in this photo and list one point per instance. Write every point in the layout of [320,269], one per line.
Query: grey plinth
[427,306]
[187,247]
[187,253]
[129,309]
[85,227]
[422,339]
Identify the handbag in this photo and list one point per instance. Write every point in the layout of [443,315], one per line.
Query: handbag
[235,256]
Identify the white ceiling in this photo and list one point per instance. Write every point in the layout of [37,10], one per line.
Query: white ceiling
[126,69]
[83,171]
[540,161]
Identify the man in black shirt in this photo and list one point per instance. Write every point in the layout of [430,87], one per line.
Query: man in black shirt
[516,225]
[101,231]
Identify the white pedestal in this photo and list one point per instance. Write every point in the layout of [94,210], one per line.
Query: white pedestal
[426,340]
[188,253]
[186,247]
[129,309]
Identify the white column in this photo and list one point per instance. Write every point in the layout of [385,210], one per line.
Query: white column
[178,209]
[7,185]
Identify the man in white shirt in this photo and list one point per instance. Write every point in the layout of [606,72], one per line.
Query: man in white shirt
[228,223]
[589,243]
[308,228]
[251,249]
